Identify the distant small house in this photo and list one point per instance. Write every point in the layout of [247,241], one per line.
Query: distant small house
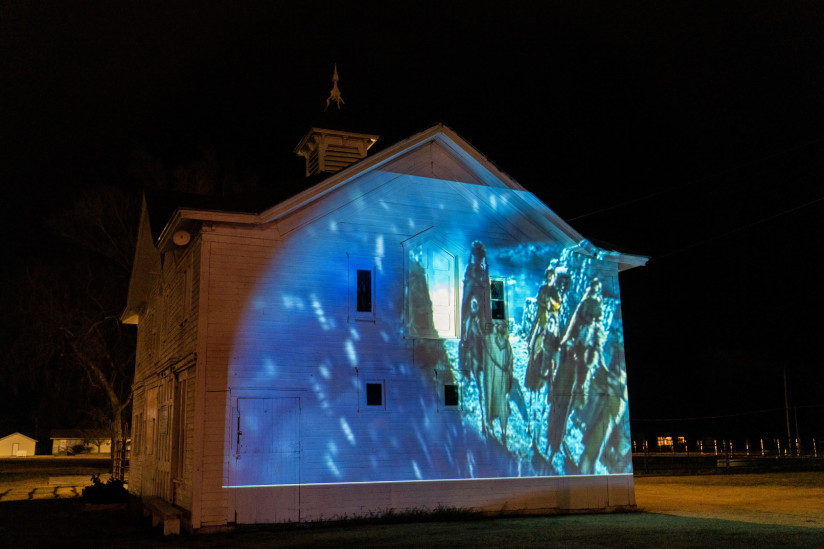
[93,441]
[17,445]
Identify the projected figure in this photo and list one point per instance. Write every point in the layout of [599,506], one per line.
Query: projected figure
[429,353]
[604,415]
[498,370]
[476,284]
[528,318]
[472,349]
[582,351]
[543,343]
[476,318]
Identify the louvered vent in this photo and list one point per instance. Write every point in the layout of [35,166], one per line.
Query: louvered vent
[338,157]
[330,151]
[312,163]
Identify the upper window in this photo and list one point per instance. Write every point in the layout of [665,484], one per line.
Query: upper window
[364,291]
[497,288]
[362,294]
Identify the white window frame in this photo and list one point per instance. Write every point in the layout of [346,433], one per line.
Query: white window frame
[362,405]
[458,254]
[361,264]
[503,280]
[444,378]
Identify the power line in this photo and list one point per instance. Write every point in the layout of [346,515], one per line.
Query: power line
[738,229]
[732,168]
[724,416]
[740,414]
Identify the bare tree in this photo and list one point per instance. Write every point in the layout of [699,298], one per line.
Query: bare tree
[71,343]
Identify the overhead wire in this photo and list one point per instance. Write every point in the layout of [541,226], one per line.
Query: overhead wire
[723,416]
[732,168]
[738,229]
[729,169]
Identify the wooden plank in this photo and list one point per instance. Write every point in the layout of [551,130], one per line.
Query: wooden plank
[201,267]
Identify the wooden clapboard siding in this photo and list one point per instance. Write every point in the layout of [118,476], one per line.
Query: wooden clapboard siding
[338,199]
[213,507]
[167,335]
[433,161]
[300,268]
[183,482]
[138,442]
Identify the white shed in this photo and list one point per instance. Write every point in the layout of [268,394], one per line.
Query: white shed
[17,445]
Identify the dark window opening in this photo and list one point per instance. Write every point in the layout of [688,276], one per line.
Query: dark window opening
[364,291]
[498,299]
[374,394]
[451,397]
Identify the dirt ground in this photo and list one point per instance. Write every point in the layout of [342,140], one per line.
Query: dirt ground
[49,477]
[790,499]
[38,509]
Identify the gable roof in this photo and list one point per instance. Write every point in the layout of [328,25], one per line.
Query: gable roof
[457,159]
[80,434]
[19,434]
[437,152]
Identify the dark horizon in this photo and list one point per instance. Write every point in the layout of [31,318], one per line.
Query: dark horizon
[688,134]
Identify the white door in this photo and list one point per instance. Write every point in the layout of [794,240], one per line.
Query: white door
[267,454]
[267,444]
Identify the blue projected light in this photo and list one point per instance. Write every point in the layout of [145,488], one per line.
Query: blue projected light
[525,339]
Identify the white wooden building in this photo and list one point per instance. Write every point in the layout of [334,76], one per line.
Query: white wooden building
[17,445]
[70,441]
[367,344]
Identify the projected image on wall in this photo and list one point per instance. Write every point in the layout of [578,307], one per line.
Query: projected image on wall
[471,360]
[539,357]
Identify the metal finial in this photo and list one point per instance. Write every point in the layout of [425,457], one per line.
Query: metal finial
[334,95]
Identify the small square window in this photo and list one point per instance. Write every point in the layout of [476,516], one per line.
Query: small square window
[448,387]
[451,395]
[374,394]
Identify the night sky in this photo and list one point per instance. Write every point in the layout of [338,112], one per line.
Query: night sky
[690,133]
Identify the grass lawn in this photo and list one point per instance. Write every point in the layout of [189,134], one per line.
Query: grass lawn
[669,520]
